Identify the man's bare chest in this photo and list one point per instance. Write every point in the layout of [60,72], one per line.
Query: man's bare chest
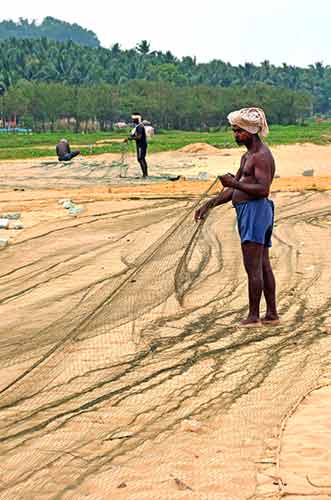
[247,168]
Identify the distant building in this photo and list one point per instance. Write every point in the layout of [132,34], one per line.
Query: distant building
[120,125]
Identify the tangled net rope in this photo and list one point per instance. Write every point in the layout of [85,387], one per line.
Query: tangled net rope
[155,343]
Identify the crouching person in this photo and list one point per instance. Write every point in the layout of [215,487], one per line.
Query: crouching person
[63,151]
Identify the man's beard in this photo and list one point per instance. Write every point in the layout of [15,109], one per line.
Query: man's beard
[246,142]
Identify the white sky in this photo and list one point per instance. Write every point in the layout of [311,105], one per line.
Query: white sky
[292,31]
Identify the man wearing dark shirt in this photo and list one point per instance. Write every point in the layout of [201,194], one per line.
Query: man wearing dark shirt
[63,151]
[138,134]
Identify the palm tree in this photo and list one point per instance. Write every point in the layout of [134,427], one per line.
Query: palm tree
[143,47]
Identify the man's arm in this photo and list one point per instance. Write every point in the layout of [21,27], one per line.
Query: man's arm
[132,136]
[226,195]
[223,197]
[261,188]
[136,135]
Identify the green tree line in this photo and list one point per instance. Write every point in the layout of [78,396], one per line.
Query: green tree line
[55,105]
[70,63]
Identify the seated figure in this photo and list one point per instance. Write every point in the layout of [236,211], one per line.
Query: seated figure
[63,151]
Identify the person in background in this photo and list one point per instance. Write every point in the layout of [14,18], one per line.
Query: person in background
[138,134]
[63,151]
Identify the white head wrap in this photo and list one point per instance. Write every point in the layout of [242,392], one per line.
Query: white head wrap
[252,120]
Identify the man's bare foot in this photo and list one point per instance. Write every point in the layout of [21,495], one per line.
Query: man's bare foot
[271,319]
[250,323]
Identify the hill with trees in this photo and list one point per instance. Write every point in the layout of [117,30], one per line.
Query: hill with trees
[50,28]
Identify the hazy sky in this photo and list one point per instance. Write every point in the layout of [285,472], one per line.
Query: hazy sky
[292,31]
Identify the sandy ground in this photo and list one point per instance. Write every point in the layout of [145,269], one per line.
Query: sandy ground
[99,170]
[195,407]
[290,160]
[305,461]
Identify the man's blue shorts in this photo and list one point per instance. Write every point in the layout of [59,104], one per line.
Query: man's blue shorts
[255,220]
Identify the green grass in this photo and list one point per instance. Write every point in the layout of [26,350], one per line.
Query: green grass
[50,138]
[43,144]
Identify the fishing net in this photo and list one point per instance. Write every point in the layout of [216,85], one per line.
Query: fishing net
[132,332]
[100,170]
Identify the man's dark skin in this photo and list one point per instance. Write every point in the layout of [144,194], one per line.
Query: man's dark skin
[252,181]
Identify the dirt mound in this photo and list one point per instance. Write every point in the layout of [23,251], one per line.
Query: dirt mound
[199,147]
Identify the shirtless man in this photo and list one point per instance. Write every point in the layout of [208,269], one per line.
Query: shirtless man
[249,190]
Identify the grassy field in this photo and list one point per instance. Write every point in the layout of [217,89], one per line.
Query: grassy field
[20,146]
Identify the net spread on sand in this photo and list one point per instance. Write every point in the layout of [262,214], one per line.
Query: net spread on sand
[140,335]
